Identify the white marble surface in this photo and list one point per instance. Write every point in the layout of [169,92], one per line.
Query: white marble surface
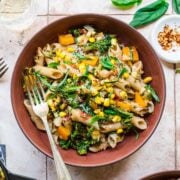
[161,152]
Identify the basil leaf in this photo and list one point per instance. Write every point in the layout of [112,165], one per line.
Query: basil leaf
[116,111]
[176,6]
[86,108]
[75,32]
[100,45]
[125,4]
[106,63]
[110,112]
[79,56]
[121,72]
[149,13]
[153,93]
[53,65]
[95,119]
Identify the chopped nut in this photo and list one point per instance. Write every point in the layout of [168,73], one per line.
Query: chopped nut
[168,37]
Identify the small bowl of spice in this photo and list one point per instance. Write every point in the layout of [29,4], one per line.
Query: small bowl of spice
[165,38]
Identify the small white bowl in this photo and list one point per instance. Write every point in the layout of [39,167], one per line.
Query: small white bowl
[170,55]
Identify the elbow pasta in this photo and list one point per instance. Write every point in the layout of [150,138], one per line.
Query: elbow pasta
[94,90]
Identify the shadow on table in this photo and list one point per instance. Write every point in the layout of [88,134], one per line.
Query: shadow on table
[109,172]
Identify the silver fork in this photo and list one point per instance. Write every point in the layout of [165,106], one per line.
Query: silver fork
[36,96]
[3,67]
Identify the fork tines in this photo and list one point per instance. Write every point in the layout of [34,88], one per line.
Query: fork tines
[34,89]
[3,67]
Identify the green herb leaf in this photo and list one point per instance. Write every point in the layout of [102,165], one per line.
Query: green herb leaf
[95,119]
[80,139]
[125,4]
[121,72]
[79,56]
[136,133]
[100,45]
[43,80]
[106,63]
[53,65]
[75,32]
[86,108]
[149,13]
[86,72]
[82,147]
[116,111]
[176,6]
[65,144]
[52,88]
[110,112]
[152,92]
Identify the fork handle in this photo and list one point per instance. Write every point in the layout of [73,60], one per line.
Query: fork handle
[61,169]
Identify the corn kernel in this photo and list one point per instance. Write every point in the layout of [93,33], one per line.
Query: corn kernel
[62,106]
[116,119]
[99,100]
[113,41]
[120,130]
[123,94]
[106,102]
[126,75]
[82,67]
[62,114]
[58,99]
[95,134]
[147,79]
[97,111]
[90,76]
[112,96]
[69,80]
[110,89]
[91,39]
[108,85]
[94,82]
[56,59]
[101,114]
[67,58]
[112,101]
[70,49]
[50,102]
[62,55]
[113,61]
[94,92]
[58,52]
[53,108]
[93,105]
[75,76]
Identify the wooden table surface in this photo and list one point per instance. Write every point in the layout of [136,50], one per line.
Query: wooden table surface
[161,152]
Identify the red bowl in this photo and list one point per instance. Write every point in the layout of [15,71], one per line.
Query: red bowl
[164,175]
[127,35]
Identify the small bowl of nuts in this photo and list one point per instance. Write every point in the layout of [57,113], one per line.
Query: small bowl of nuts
[165,38]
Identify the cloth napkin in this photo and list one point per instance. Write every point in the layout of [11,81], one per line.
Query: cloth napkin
[3,153]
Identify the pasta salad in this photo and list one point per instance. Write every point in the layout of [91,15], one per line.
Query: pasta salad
[94,89]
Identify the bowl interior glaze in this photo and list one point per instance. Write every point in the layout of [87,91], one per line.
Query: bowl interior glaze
[127,35]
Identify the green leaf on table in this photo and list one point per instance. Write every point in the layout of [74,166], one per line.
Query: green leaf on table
[178,70]
[176,6]
[125,4]
[149,13]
